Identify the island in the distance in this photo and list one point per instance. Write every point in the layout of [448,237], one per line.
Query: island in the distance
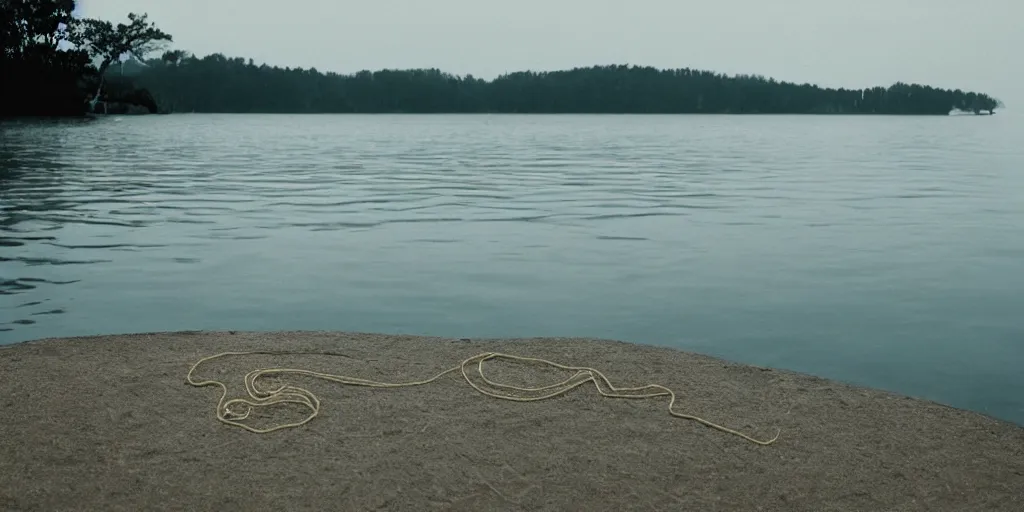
[215,83]
[58,64]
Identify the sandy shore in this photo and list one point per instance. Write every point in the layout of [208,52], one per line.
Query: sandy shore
[108,423]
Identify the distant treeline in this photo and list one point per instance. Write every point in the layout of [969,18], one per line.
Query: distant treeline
[53,62]
[184,83]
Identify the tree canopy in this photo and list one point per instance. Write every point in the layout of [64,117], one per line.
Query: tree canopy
[55,63]
[51,60]
[110,43]
[33,65]
[216,83]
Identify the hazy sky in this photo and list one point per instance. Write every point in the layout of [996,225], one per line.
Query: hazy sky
[851,43]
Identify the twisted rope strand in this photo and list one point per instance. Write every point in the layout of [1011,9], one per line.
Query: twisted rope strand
[234,411]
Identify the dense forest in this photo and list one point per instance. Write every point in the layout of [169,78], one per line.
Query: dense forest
[38,77]
[60,64]
[219,84]
[53,63]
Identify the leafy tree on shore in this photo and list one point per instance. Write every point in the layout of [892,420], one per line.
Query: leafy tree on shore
[40,77]
[47,55]
[108,43]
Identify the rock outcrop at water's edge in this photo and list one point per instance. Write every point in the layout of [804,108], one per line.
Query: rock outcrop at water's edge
[122,97]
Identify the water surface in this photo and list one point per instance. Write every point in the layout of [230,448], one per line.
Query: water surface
[885,251]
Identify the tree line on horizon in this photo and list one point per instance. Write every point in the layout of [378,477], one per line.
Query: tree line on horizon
[55,63]
[185,83]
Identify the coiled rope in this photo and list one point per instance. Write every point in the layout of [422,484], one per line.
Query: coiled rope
[234,411]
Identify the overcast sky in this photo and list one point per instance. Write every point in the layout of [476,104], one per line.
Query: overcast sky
[851,43]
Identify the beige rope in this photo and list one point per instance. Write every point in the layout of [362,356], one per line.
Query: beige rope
[235,411]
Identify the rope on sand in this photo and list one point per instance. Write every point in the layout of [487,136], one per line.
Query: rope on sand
[235,411]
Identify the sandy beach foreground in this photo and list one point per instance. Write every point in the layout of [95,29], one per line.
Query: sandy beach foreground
[109,423]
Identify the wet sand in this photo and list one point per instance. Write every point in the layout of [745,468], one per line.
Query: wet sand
[108,423]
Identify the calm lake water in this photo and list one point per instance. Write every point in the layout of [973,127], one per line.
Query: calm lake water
[885,251]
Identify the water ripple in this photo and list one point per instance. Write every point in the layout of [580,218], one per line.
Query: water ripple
[825,244]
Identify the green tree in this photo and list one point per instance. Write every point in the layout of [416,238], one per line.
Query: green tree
[42,71]
[45,56]
[108,43]
[28,25]
[173,57]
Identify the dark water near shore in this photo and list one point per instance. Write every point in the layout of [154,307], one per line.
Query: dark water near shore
[881,251]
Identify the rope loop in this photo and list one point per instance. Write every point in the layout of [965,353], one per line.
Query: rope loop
[236,410]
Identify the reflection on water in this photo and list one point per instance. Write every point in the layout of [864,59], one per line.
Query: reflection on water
[882,251]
